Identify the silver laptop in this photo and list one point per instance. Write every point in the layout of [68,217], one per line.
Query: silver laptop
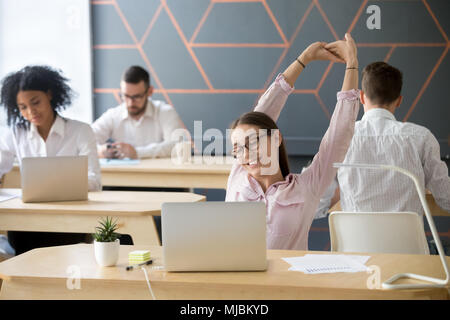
[214,236]
[46,179]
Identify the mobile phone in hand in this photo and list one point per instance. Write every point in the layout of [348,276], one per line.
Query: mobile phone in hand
[111,148]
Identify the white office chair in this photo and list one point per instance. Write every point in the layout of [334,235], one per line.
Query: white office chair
[377,232]
[434,282]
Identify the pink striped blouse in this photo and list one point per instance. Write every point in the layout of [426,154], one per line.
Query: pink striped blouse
[292,203]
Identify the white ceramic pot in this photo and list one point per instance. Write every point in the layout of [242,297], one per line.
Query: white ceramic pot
[106,253]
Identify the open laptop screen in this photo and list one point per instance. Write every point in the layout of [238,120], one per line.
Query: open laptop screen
[214,236]
[54,178]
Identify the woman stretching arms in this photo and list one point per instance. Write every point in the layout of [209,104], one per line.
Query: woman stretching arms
[261,172]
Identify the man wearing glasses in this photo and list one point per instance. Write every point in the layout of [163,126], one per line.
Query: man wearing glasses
[139,127]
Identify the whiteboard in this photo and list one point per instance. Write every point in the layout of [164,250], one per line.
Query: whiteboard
[51,32]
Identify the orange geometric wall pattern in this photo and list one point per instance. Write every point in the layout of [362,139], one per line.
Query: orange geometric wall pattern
[212,59]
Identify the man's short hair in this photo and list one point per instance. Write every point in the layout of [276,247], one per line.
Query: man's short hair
[136,74]
[381,83]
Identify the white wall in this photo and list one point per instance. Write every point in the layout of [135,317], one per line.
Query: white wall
[51,32]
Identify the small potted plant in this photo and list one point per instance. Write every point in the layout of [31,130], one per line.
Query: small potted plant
[106,243]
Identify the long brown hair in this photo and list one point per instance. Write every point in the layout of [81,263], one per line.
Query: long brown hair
[263,121]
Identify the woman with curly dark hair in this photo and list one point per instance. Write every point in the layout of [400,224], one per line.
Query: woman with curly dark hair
[33,98]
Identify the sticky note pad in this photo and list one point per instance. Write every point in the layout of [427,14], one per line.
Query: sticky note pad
[139,253]
[138,256]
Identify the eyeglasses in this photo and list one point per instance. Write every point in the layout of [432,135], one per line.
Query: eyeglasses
[136,97]
[251,144]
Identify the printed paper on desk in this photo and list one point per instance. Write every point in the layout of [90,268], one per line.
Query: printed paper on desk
[327,263]
[118,162]
[7,194]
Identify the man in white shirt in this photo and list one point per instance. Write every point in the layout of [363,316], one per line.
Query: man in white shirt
[139,127]
[380,139]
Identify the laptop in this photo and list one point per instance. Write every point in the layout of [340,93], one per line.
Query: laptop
[46,179]
[214,236]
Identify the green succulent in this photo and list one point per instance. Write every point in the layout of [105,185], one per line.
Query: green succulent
[105,232]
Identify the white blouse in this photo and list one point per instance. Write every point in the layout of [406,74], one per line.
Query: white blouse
[66,138]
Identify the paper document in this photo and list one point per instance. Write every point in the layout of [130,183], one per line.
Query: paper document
[7,194]
[327,263]
[118,162]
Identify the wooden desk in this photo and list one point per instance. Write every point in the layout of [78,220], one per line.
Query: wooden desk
[44,274]
[134,210]
[204,172]
[434,208]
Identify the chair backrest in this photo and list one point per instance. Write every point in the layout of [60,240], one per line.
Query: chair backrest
[377,232]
